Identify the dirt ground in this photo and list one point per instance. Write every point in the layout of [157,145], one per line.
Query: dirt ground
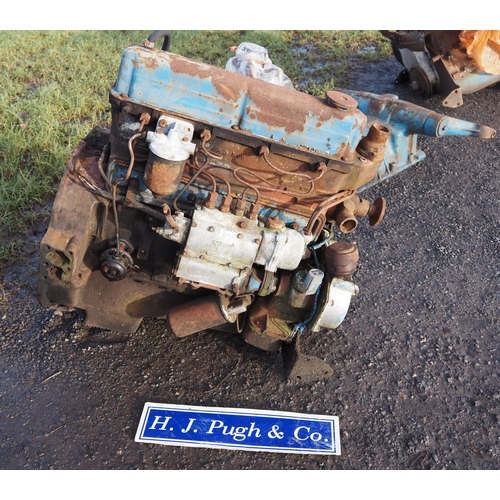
[416,362]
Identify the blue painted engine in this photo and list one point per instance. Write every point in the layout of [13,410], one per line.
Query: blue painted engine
[219,201]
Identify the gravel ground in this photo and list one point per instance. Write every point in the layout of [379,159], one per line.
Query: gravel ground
[416,362]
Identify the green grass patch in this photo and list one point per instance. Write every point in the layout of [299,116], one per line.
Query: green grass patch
[54,89]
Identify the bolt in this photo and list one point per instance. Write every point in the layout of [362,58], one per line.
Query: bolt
[211,200]
[240,236]
[211,229]
[254,211]
[274,222]
[226,203]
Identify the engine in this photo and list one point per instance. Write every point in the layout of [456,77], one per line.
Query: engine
[219,201]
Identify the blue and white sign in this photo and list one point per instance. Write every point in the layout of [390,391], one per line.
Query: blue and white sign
[239,429]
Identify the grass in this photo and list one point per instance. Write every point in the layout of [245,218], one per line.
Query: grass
[54,89]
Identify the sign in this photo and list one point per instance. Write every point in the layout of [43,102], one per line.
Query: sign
[239,429]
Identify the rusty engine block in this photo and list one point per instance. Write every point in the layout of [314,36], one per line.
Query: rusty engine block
[216,200]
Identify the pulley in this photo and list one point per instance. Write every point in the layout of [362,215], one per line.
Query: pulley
[116,261]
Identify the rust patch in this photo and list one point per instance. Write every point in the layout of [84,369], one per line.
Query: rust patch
[283,108]
[150,62]
[288,109]
[227,92]
[162,177]
[377,105]
[228,85]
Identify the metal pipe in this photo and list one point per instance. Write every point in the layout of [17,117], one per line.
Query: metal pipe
[196,316]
